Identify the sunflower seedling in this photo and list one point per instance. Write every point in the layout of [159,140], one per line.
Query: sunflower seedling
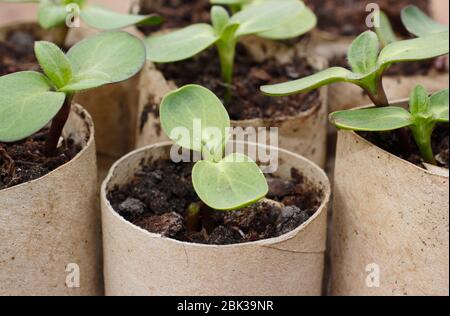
[55,14]
[423,115]
[368,64]
[225,32]
[30,100]
[195,119]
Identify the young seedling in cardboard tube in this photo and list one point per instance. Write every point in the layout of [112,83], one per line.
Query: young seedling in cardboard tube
[368,64]
[296,26]
[224,32]
[195,119]
[419,24]
[29,100]
[423,115]
[56,14]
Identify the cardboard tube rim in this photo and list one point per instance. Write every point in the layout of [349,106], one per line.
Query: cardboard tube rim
[86,117]
[413,167]
[265,242]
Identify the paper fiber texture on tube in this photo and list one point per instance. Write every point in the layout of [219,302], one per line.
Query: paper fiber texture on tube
[50,227]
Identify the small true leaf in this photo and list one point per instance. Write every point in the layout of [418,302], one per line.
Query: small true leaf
[419,24]
[181,44]
[363,53]
[219,18]
[233,183]
[373,119]
[419,101]
[54,63]
[439,105]
[27,104]
[105,58]
[180,110]
[325,77]
[104,19]
[384,31]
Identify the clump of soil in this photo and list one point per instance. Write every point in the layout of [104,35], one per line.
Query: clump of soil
[17,53]
[393,142]
[247,101]
[409,69]
[24,161]
[176,13]
[158,196]
[348,17]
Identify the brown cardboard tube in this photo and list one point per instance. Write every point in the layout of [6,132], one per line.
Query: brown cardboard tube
[137,262]
[304,134]
[391,218]
[52,224]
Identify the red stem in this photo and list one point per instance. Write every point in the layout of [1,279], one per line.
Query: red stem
[57,126]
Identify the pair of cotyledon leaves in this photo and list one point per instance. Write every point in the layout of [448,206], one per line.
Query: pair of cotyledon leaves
[53,13]
[367,62]
[272,18]
[228,183]
[29,100]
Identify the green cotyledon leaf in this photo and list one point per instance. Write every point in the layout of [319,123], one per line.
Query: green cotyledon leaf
[196,119]
[372,119]
[181,44]
[439,106]
[104,19]
[105,58]
[230,184]
[419,24]
[27,104]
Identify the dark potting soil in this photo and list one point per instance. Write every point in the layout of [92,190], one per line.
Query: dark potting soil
[24,161]
[348,17]
[409,69]
[157,198]
[393,142]
[17,53]
[247,101]
[176,13]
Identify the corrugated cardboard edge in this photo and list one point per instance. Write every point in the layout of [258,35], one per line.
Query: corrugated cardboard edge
[304,133]
[54,221]
[141,263]
[387,214]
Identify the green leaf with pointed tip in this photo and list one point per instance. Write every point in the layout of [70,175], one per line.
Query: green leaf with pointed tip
[27,104]
[104,19]
[325,77]
[384,31]
[427,47]
[181,109]
[373,119]
[181,44]
[231,184]
[419,101]
[439,106]
[266,16]
[301,24]
[51,14]
[54,63]
[419,24]
[108,57]
[363,53]
[219,18]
